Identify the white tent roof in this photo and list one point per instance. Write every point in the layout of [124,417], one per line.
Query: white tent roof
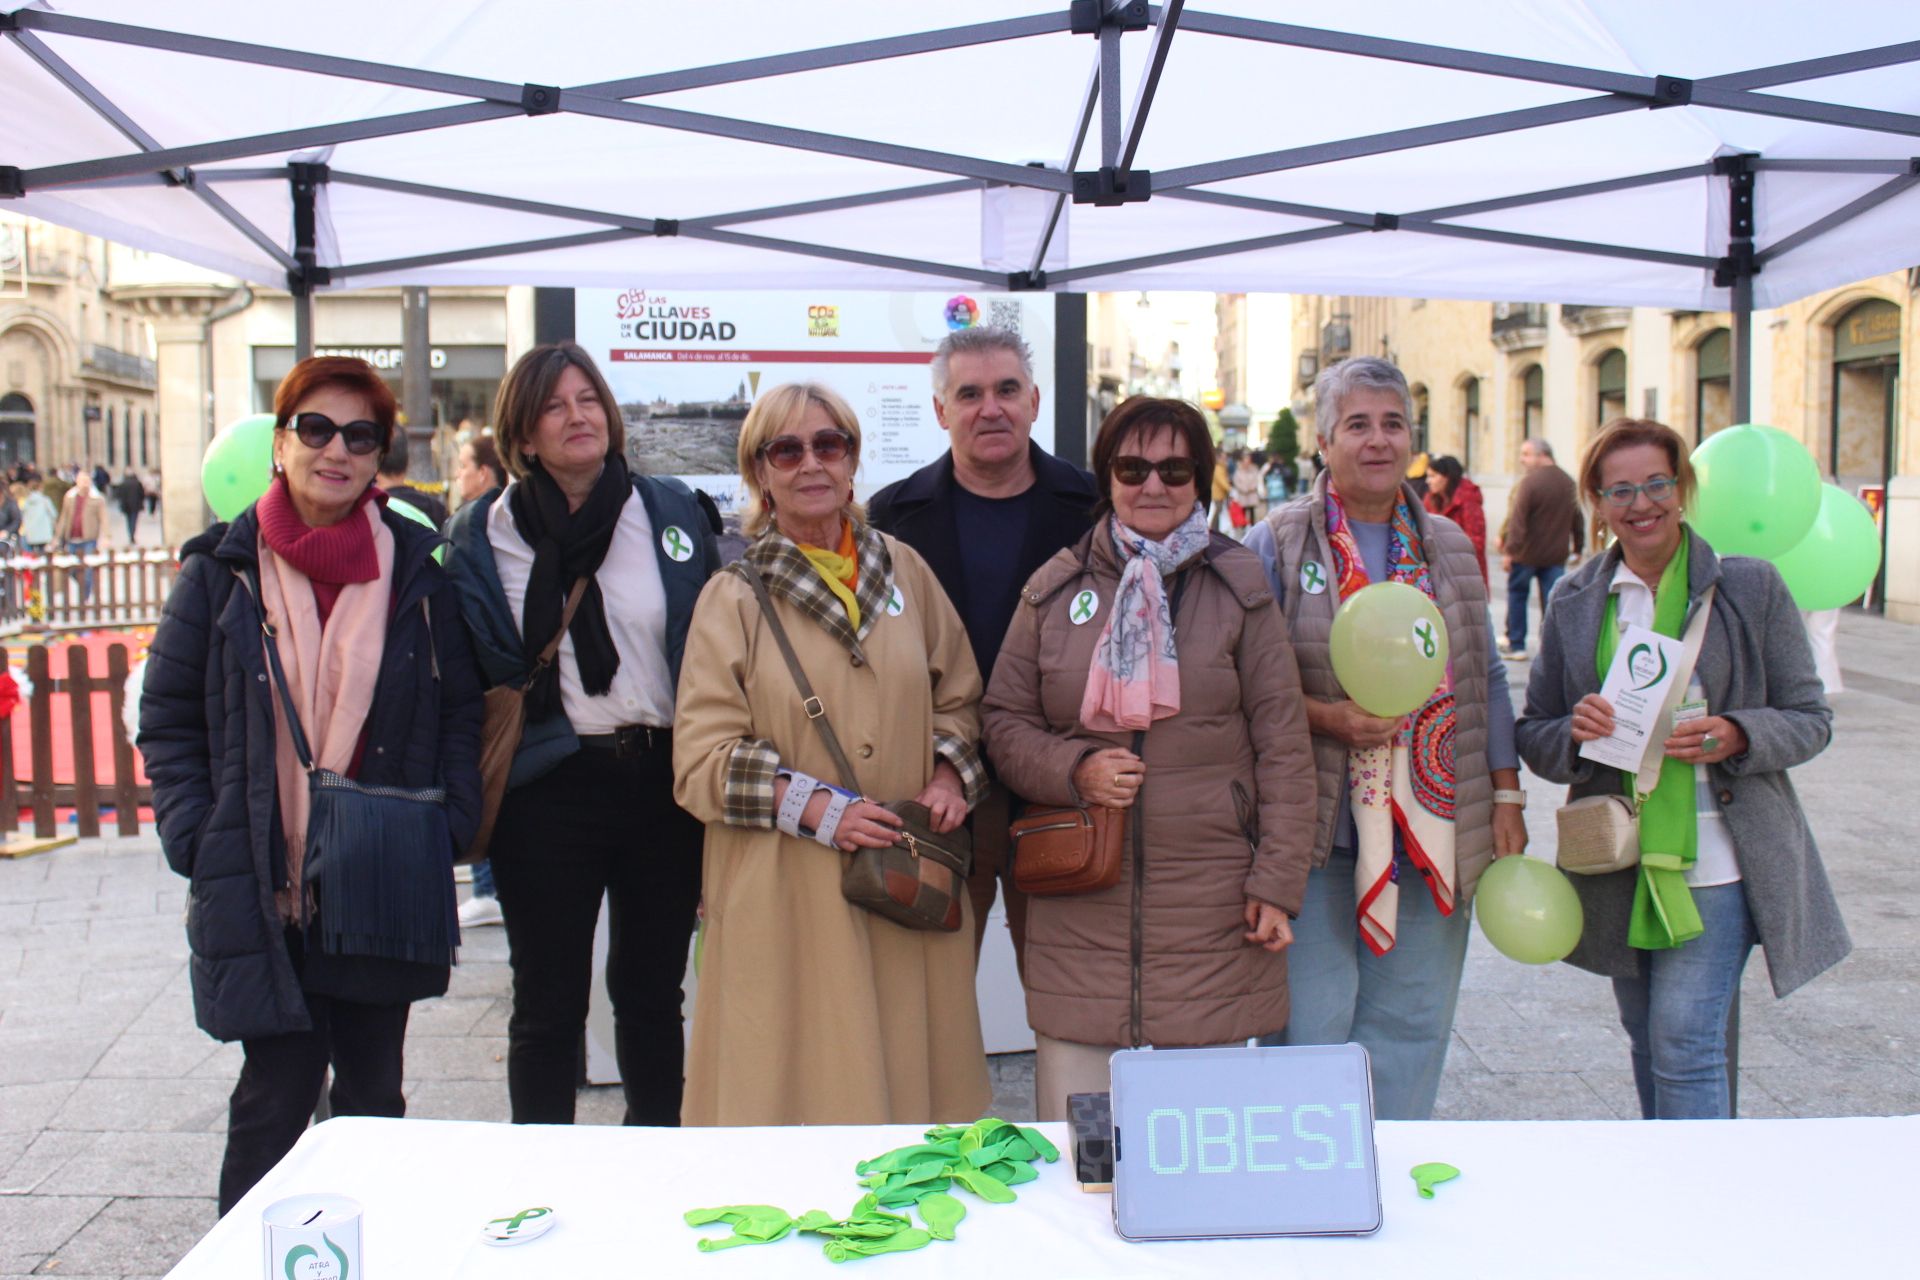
[1397,147]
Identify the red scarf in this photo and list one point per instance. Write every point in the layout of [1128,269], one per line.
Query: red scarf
[331,557]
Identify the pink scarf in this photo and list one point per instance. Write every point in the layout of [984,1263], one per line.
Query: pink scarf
[331,670]
[1135,676]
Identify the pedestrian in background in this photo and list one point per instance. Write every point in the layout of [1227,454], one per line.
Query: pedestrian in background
[1726,857]
[83,518]
[38,518]
[1451,494]
[1544,530]
[130,496]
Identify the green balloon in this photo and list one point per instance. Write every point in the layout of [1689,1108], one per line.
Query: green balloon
[1389,648]
[1835,563]
[401,507]
[1528,909]
[238,465]
[1759,490]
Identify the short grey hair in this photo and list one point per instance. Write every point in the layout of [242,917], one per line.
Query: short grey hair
[1541,446]
[1337,381]
[977,341]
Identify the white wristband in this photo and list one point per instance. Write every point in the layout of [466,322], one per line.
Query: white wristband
[1510,797]
[830,821]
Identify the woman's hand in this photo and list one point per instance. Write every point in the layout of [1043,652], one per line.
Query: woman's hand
[945,797]
[1267,926]
[1350,723]
[1707,740]
[866,825]
[1509,830]
[1110,777]
[1592,718]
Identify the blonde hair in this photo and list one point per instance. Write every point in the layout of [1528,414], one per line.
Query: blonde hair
[776,413]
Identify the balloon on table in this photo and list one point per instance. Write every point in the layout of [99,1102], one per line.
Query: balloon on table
[1528,909]
[401,507]
[1389,648]
[238,465]
[1758,491]
[1835,563]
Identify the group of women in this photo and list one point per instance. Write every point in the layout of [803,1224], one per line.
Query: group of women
[1297,870]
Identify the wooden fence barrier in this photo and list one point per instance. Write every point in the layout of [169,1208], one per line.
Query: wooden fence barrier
[124,790]
[61,592]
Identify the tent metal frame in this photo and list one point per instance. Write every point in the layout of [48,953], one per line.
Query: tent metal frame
[1121,122]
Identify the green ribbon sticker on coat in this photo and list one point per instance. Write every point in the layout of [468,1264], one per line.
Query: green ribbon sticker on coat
[1083,606]
[675,542]
[896,603]
[1313,578]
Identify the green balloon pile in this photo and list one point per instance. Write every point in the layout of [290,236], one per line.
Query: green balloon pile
[988,1157]
[1389,648]
[1528,910]
[238,465]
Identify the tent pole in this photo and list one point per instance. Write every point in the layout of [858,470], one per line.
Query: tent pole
[1735,273]
[1742,348]
[305,180]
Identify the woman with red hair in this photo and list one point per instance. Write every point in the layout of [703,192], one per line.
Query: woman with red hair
[314,632]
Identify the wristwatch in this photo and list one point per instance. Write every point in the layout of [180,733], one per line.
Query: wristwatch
[1511,797]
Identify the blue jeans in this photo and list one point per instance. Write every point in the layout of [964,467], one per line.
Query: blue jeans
[1675,1015]
[483,886]
[1520,580]
[1399,1006]
[84,548]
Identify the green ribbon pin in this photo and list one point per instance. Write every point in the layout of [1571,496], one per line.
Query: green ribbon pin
[1312,577]
[1083,605]
[675,541]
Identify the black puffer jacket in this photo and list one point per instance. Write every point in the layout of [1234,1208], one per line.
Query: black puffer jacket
[206,732]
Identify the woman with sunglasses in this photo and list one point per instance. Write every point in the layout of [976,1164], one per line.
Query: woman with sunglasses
[580,551]
[812,1010]
[1726,857]
[1149,671]
[377,667]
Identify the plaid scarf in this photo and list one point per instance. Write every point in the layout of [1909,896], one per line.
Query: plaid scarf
[1408,785]
[790,574]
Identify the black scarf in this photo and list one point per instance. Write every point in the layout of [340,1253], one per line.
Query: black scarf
[567,546]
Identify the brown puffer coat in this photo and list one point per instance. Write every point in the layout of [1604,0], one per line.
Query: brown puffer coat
[1228,806]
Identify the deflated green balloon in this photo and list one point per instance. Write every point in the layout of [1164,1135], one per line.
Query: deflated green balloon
[1389,648]
[1528,909]
[1835,563]
[1759,491]
[238,465]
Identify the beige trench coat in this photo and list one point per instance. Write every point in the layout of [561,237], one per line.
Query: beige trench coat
[810,1010]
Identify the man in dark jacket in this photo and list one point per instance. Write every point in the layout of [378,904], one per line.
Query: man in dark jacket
[985,516]
[208,739]
[1544,528]
[393,479]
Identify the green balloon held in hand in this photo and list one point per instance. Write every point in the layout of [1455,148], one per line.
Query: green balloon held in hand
[1528,910]
[1389,648]
[1835,563]
[238,465]
[1758,491]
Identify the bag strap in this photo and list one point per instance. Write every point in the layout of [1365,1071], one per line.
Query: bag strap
[1694,637]
[250,579]
[547,654]
[810,701]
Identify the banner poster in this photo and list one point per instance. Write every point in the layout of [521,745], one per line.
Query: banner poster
[685,366]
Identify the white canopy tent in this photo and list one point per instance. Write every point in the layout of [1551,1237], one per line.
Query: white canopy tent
[1631,152]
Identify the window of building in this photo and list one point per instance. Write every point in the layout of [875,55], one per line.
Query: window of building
[1421,435]
[110,458]
[1469,420]
[1712,384]
[1610,387]
[16,429]
[1865,396]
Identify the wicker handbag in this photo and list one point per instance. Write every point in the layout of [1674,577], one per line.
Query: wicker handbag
[917,882]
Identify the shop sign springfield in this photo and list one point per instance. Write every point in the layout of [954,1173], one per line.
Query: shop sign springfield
[384,357]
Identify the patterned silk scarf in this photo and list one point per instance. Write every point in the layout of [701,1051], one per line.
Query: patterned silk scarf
[1135,676]
[1406,786]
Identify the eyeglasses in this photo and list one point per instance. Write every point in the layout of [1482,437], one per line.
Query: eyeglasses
[317,429]
[1174,472]
[1658,489]
[787,452]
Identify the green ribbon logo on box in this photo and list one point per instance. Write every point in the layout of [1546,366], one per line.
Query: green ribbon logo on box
[298,1266]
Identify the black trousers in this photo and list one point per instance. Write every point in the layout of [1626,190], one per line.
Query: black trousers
[599,824]
[280,1082]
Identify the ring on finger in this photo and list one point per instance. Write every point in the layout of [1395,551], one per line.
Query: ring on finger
[1709,744]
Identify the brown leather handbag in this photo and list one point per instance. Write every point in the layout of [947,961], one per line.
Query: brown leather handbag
[1068,850]
[917,882]
[504,719]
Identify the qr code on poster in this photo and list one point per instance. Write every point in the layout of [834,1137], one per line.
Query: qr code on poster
[1003,313]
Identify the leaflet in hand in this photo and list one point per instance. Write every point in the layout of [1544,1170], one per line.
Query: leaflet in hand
[1637,685]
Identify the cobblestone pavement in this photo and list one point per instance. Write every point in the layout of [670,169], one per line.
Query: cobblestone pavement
[113,1106]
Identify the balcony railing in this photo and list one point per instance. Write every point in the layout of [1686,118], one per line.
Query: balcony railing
[1518,325]
[121,367]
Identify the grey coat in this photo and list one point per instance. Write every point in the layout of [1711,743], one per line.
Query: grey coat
[1757,670]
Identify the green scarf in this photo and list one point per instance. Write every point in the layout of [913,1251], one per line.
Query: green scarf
[1663,911]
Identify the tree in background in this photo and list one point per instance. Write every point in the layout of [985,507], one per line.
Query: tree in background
[1283,437]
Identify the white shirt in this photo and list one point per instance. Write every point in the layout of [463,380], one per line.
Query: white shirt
[1713,861]
[636,608]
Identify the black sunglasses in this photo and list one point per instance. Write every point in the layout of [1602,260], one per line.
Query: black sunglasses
[1130,470]
[788,452]
[316,429]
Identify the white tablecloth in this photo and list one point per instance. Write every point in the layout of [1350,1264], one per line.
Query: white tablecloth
[1610,1200]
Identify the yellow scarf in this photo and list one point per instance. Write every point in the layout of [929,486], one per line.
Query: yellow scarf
[839,569]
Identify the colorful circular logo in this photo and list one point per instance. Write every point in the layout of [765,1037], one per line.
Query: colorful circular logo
[962,312]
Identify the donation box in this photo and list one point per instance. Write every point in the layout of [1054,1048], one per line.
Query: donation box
[1243,1142]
